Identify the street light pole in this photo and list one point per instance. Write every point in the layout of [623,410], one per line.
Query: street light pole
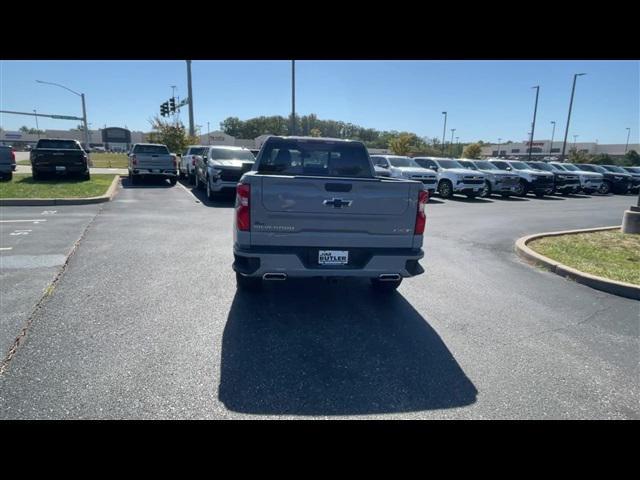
[84,109]
[444,130]
[566,132]
[552,134]
[533,125]
[627,144]
[574,141]
[499,140]
[38,128]
[208,134]
[190,90]
[457,144]
[451,142]
[293,97]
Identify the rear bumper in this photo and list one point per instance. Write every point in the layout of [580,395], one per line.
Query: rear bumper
[302,262]
[53,168]
[154,172]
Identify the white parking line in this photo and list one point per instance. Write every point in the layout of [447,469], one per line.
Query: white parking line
[37,220]
[189,192]
[2,249]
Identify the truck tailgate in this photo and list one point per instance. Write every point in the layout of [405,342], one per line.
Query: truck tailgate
[156,162]
[320,211]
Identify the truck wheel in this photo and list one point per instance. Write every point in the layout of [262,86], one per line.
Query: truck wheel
[539,194]
[445,189]
[196,182]
[210,194]
[486,191]
[387,287]
[35,175]
[605,188]
[173,180]
[86,176]
[192,179]
[521,189]
[249,284]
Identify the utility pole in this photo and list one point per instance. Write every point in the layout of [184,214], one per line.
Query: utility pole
[627,145]
[533,125]
[566,132]
[451,142]
[293,97]
[38,128]
[499,140]
[190,93]
[552,133]
[444,130]
[208,135]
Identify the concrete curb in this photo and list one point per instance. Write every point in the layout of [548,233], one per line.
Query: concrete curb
[599,283]
[26,202]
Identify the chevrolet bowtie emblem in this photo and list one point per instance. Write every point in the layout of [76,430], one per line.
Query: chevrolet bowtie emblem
[337,203]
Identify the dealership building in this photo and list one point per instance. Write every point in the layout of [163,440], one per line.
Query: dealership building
[544,148]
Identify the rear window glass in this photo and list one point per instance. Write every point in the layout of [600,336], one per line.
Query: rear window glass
[231,154]
[151,149]
[291,157]
[197,151]
[65,144]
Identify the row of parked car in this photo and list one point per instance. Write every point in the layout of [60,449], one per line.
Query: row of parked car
[473,178]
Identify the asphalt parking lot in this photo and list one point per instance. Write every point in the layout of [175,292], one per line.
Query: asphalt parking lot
[145,321]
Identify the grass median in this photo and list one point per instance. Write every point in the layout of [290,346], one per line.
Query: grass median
[24,186]
[609,254]
[99,160]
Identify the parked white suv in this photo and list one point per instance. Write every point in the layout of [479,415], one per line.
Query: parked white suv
[404,167]
[454,178]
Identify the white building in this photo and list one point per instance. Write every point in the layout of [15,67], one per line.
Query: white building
[543,148]
[21,139]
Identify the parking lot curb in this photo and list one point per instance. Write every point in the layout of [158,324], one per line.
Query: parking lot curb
[28,202]
[622,289]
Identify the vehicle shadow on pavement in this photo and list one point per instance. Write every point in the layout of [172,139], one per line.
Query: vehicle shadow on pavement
[511,198]
[470,200]
[146,183]
[545,198]
[223,200]
[309,348]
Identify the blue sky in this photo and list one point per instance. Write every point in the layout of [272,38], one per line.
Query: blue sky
[485,100]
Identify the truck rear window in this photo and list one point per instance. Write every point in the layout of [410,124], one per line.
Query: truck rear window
[327,159]
[151,149]
[63,144]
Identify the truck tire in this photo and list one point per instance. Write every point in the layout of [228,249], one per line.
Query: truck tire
[445,189]
[86,176]
[539,194]
[210,194]
[605,188]
[133,179]
[248,284]
[36,175]
[472,195]
[173,180]
[386,287]
[521,191]
[486,192]
[196,182]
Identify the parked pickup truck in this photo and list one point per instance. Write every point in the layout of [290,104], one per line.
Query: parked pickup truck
[314,207]
[454,178]
[59,157]
[152,160]
[187,164]
[405,167]
[219,168]
[7,162]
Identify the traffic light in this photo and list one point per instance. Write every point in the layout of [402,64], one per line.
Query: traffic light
[164,109]
[172,104]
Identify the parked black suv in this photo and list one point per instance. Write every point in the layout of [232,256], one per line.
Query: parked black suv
[616,182]
[563,181]
[635,178]
[60,157]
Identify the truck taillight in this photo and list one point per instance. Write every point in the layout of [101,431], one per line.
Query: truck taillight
[243,206]
[421,217]
[193,160]
[13,155]
[133,160]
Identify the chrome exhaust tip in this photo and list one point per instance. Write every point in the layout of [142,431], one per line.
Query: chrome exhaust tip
[389,277]
[274,276]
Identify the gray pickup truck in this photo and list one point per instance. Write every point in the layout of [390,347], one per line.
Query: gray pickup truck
[314,207]
[152,160]
[7,162]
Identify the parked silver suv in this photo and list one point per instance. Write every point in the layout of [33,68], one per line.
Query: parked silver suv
[501,182]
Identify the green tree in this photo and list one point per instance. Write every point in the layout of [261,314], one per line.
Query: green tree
[401,145]
[24,129]
[473,150]
[173,135]
[579,157]
[632,158]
